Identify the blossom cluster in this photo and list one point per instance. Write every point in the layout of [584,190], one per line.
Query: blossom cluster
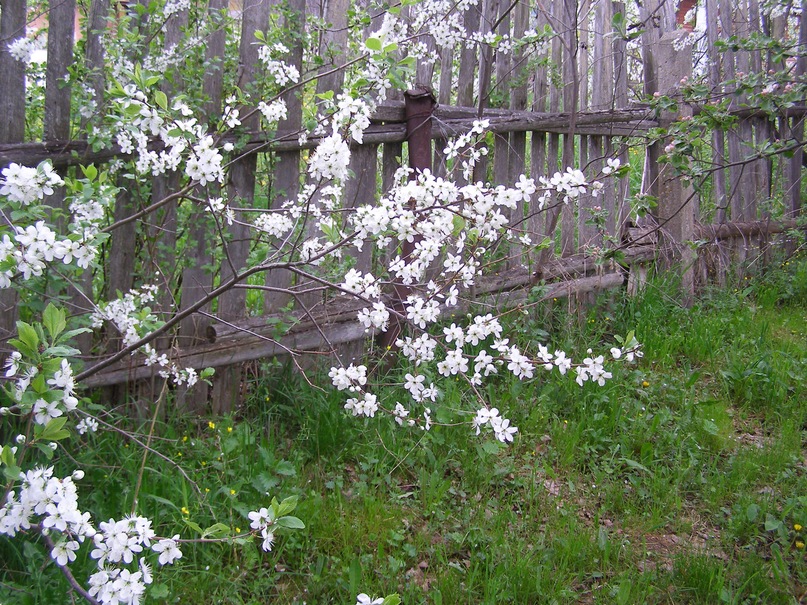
[49,504]
[59,399]
[448,229]
[282,72]
[130,314]
[24,49]
[24,185]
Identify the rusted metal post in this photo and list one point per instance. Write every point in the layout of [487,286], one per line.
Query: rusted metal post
[419,104]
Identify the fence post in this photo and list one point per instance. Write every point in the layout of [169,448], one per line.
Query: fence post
[675,212]
[419,106]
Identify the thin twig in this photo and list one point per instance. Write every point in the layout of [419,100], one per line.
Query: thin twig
[68,574]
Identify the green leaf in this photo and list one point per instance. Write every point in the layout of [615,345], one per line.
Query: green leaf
[60,351]
[710,427]
[161,99]
[392,599]
[290,522]
[286,468]
[28,336]
[7,456]
[458,224]
[636,465]
[194,526]
[45,449]
[159,591]
[772,523]
[751,512]
[53,430]
[216,530]
[12,473]
[491,447]
[91,172]
[288,505]
[163,501]
[373,43]
[354,575]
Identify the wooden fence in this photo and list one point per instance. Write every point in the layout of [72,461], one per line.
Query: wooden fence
[577,100]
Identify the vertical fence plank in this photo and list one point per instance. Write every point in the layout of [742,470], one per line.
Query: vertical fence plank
[468,60]
[538,140]
[333,43]
[489,12]
[285,178]
[163,227]
[518,140]
[571,92]
[12,127]
[501,90]
[443,98]
[794,180]
[675,211]
[241,190]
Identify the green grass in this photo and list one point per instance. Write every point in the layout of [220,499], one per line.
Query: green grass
[680,481]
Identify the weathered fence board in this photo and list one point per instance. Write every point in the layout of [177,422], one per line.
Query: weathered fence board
[583,111]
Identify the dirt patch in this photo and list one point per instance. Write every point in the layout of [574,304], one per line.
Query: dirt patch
[662,548]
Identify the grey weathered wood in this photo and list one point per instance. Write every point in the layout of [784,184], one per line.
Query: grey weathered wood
[56,120]
[256,342]
[718,136]
[332,45]
[12,128]
[12,72]
[619,47]
[629,121]
[518,140]
[360,190]
[502,64]
[285,178]
[794,181]
[197,279]
[443,97]
[241,187]
[468,61]
[489,12]
[162,225]
[571,100]
[675,211]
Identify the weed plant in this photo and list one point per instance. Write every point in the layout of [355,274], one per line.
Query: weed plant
[680,481]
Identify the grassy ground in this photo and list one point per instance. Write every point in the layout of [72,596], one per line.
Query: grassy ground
[680,481]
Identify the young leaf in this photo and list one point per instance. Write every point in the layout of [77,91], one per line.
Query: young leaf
[89,171]
[287,506]
[194,526]
[28,335]
[290,522]
[216,530]
[161,99]
[53,430]
[54,320]
[373,43]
